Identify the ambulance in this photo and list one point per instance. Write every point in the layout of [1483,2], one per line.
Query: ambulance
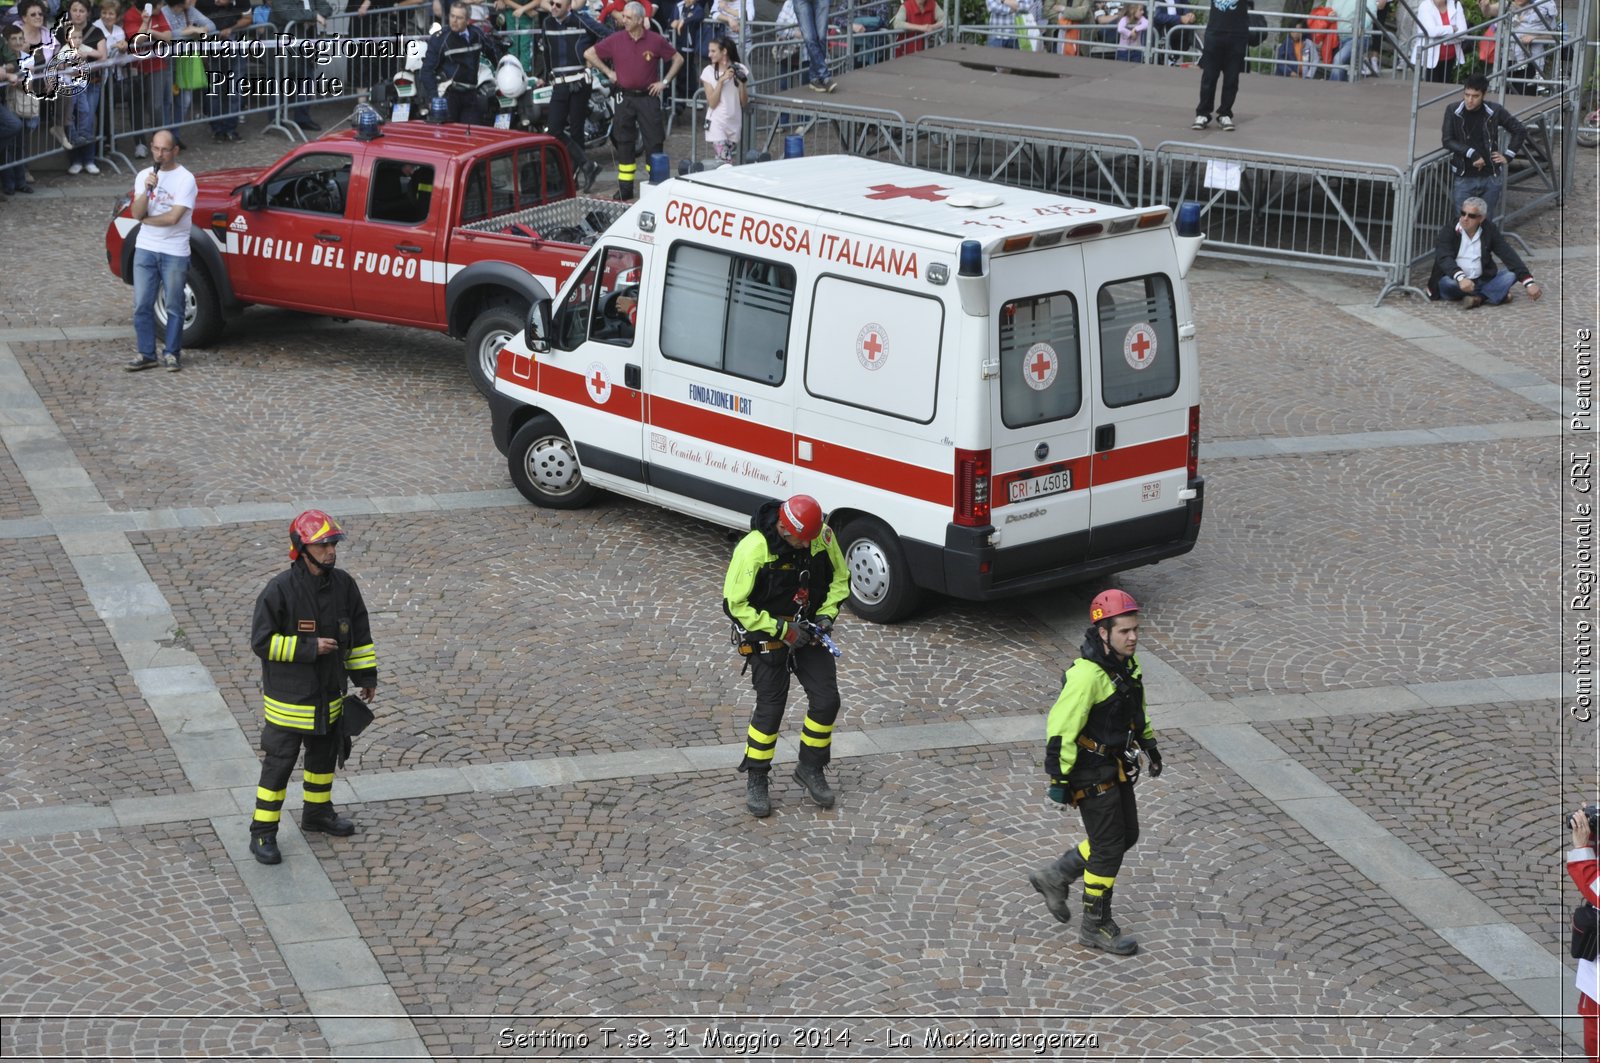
[992,391]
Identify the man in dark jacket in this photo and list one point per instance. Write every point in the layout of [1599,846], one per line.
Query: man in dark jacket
[567,36]
[785,571]
[310,630]
[1471,134]
[454,55]
[1464,261]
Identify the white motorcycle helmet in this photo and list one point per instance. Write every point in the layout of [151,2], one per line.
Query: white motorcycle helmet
[510,78]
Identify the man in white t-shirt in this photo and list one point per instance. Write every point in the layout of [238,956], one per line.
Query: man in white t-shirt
[163,200]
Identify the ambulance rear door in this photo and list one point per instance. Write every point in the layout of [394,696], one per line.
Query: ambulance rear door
[1039,411]
[720,412]
[1140,393]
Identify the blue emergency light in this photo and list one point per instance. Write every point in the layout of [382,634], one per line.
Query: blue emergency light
[1189,212]
[439,110]
[368,123]
[970,259]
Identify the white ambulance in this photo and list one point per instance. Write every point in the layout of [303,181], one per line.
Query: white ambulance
[991,390]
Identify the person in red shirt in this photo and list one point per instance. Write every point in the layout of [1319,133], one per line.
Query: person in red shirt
[631,61]
[614,8]
[1584,870]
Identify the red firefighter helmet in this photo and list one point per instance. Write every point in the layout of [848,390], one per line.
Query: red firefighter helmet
[1108,604]
[801,518]
[312,527]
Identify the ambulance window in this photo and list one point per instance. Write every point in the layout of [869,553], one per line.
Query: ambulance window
[1041,378]
[875,348]
[1138,340]
[401,192]
[602,305]
[727,312]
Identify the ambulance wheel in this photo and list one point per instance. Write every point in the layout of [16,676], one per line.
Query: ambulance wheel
[491,331]
[202,318]
[544,466]
[881,589]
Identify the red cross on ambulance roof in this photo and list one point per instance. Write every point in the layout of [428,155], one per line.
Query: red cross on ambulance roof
[930,193]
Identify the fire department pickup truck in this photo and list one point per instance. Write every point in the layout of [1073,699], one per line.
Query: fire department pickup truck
[458,229]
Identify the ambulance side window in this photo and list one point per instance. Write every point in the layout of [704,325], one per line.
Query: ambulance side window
[727,312]
[602,305]
[1138,340]
[1041,378]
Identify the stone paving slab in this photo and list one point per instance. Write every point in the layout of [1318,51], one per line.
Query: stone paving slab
[178,441]
[16,500]
[142,921]
[1407,565]
[660,895]
[1271,367]
[1476,789]
[76,730]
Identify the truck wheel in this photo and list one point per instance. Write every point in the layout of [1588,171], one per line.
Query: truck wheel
[202,318]
[544,466]
[491,331]
[881,589]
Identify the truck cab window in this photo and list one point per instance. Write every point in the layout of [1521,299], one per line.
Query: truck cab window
[1041,375]
[1138,340]
[727,312]
[401,192]
[315,183]
[602,305]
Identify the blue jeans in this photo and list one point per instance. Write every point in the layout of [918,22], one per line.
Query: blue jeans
[153,270]
[85,107]
[998,41]
[224,106]
[1486,186]
[813,16]
[1341,58]
[1494,290]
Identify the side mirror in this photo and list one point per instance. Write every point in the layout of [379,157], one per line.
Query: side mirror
[254,197]
[538,329]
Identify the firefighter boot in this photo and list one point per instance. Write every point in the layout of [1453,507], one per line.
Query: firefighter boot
[755,794]
[264,847]
[1055,883]
[810,776]
[624,191]
[328,822]
[1099,931]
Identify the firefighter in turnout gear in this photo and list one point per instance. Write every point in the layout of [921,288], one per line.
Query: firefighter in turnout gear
[787,572]
[310,631]
[1094,732]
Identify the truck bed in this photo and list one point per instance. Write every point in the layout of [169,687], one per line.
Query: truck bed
[579,220]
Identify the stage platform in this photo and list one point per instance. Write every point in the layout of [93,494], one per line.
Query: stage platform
[1317,173]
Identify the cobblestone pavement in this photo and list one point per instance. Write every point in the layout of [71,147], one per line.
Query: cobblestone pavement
[1355,850]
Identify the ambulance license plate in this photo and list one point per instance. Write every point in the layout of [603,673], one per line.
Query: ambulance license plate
[1050,484]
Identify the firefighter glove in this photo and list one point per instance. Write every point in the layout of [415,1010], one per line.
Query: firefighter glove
[825,624]
[1058,793]
[1155,759]
[794,636]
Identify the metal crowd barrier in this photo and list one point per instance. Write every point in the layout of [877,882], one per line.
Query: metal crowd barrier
[1081,163]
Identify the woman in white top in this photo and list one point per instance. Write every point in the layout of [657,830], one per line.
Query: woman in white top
[727,83]
[1436,20]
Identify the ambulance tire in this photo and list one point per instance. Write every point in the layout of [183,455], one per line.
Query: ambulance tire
[202,317]
[544,466]
[881,589]
[492,330]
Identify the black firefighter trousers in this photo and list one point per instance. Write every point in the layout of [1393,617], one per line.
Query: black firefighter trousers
[818,673]
[282,748]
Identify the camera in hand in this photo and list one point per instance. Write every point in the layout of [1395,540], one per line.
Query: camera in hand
[740,75]
[1593,813]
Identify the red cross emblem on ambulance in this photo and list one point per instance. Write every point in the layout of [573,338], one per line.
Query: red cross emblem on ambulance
[872,346]
[1139,346]
[598,383]
[1039,366]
